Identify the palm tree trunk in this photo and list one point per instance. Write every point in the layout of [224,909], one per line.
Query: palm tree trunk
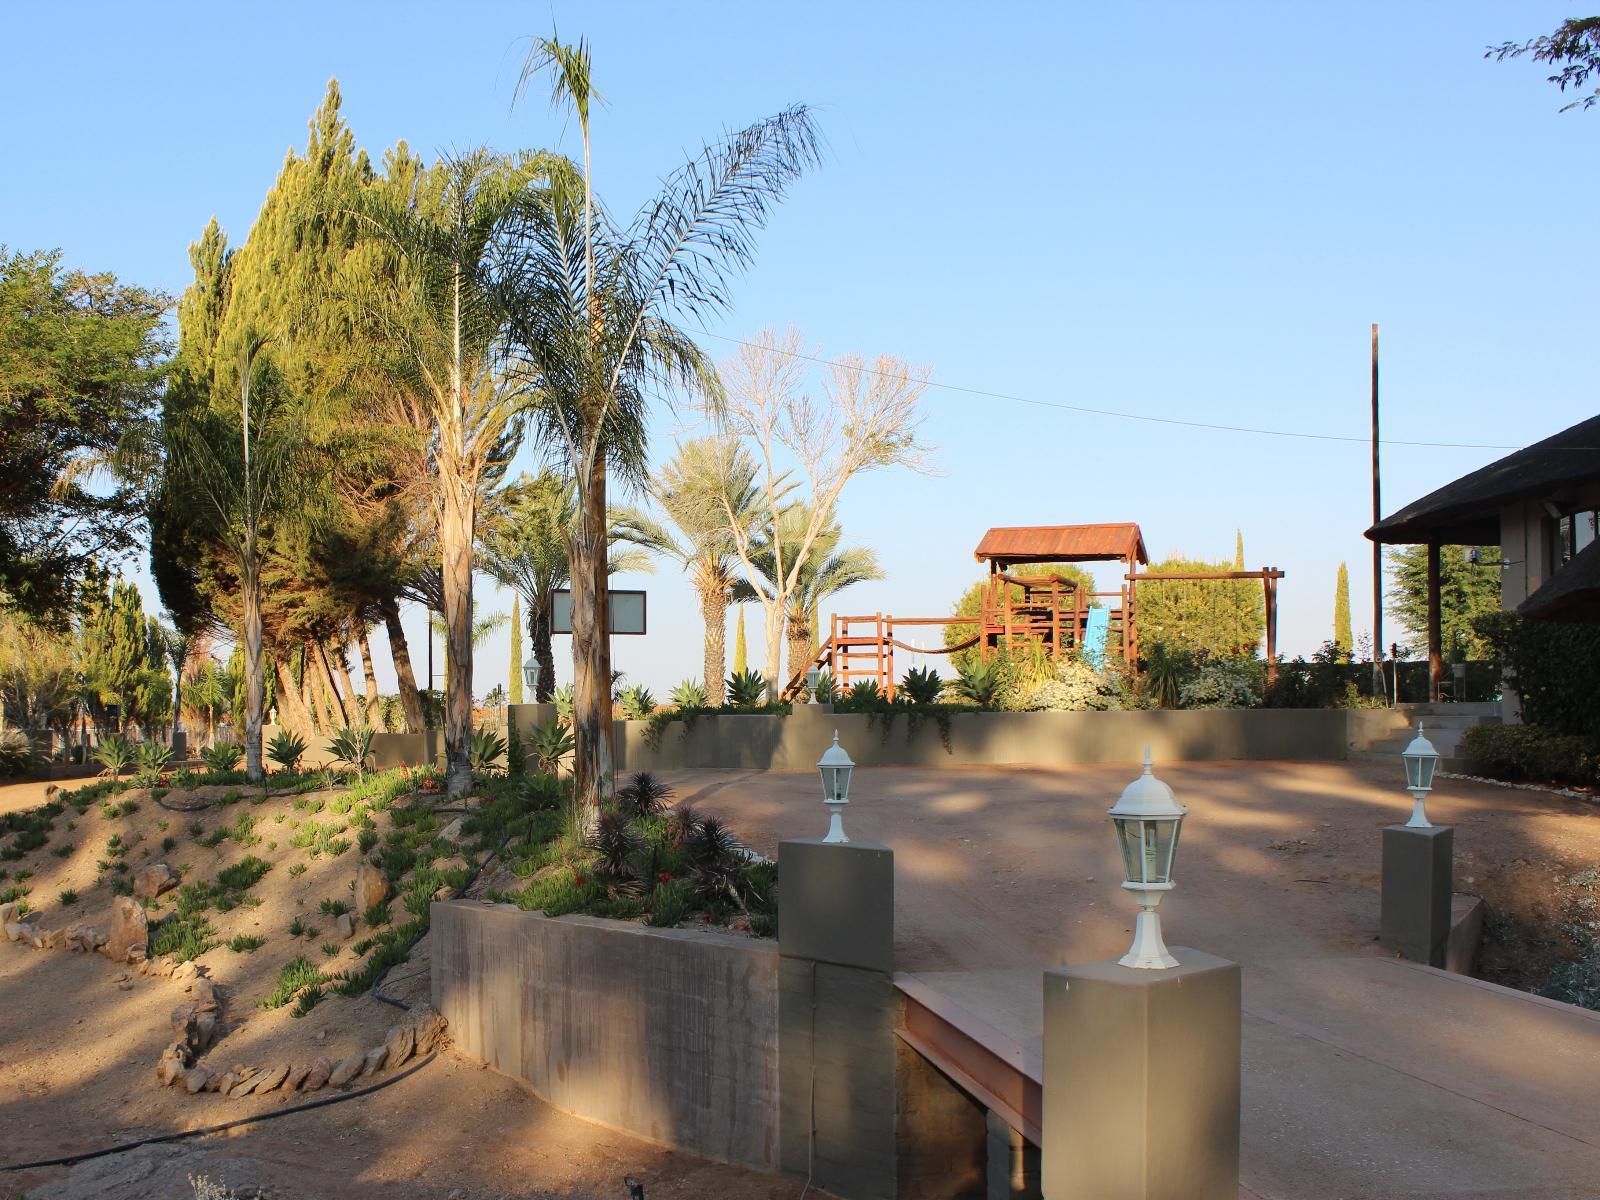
[310,693]
[400,653]
[347,685]
[254,685]
[455,544]
[591,674]
[336,707]
[799,642]
[714,610]
[293,711]
[540,638]
[370,678]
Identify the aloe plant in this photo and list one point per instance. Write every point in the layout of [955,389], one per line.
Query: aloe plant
[287,749]
[485,750]
[151,758]
[981,683]
[114,754]
[922,686]
[689,694]
[353,746]
[636,703]
[550,744]
[222,756]
[746,689]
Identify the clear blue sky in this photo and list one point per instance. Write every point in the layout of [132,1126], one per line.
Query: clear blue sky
[1180,211]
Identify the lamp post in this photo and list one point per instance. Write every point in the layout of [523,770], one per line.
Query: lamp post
[1421,760]
[835,766]
[530,675]
[813,677]
[1148,818]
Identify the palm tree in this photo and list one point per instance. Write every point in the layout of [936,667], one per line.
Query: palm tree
[235,477]
[592,306]
[444,319]
[825,571]
[527,548]
[687,489]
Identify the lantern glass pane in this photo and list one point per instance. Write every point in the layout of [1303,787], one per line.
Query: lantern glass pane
[1128,843]
[1169,841]
[827,783]
[1429,763]
[1413,770]
[841,783]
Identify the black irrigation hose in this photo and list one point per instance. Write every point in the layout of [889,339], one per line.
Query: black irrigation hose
[205,1131]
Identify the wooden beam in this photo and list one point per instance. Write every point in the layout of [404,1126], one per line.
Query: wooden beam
[1435,625]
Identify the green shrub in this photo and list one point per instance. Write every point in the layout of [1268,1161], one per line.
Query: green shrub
[353,746]
[746,689]
[689,694]
[246,943]
[552,743]
[68,898]
[981,683]
[286,749]
[635,703]
[1223,683]
[1553,666]
[296,975]
[669,904]
[18,756]
[222,756]
[922,686]
[485,749]
[114,754]
[1527,752]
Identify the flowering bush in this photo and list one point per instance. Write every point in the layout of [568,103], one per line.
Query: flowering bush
[1074,686]
[1221,683]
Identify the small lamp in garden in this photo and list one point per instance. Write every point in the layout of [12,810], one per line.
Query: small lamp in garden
[1147,818]
[530,675]
[835,766]
[1421,760]
[813,677]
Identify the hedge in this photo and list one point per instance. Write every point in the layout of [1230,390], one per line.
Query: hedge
[1528,752]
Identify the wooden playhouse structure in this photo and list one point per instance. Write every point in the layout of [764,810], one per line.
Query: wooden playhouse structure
[1020,611]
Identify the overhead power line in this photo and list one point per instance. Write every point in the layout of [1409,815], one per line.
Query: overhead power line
[1118,415]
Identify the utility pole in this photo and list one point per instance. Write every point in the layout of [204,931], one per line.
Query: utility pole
[1378,685]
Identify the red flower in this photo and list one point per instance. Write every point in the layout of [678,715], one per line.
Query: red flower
[579,880]
[666,877]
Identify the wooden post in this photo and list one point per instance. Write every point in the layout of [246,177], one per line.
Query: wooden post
[888,629]
[878,625]
[1435,626]
[1270,586]
[1377,515]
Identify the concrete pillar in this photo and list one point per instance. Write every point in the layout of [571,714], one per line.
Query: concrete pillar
[1418,877]
[1013,1164]
[1141,1081]
[941,1134]
[836,1017]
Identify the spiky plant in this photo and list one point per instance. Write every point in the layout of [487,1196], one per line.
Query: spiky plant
[114,754]
[642,796]
[690,694]
[922,686]
[353,746]
[486,749]
[287,749]
[550,744]
[683,823]
[618,846]
[636,703]
[981,683]
[746,689]
[222,756]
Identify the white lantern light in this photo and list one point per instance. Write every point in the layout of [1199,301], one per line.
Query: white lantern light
[530,673]
[813,677]
[1148,818]
[1421,760]
[835,766]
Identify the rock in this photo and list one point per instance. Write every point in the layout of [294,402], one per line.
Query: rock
[372,886]
[130,927]
[214,1084]
[346,1069]
[125,985]
[270,1081]
[402,1040]
[22,931]
[430,1028]
[297,1077]
[195,799]
[375,1059]
[344,927]
[174,1062]
[203,991]
[138,952]
[196,1078]
[205,1029]
[50,939]
[225,1082]
[317,1075]
[193,1028]
[149,882]
[8,911]
[246,1085]
[452,830]
[186,970]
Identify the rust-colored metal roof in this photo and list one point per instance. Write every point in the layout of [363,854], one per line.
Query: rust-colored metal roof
[1062,543]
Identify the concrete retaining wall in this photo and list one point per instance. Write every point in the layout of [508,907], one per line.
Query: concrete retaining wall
[388,749]
[670,1034]
[796,742]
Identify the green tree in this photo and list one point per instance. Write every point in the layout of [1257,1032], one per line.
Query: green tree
[1467,590]
[1343,638]
[687,490]
[1574,47]
[1222,617]
[600,340]
[81,359]
[515,693]
[525,548]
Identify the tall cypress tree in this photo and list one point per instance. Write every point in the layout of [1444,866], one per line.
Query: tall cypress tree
[1343,639]
[1238,549]
[741,655]
[515,691]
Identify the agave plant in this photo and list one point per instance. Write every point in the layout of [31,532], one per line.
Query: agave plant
[485,750]
[17,753]
[642,796]
[222,756]
[353,745]
[563,701]
[151,758]
[864,693]
[827,690]
[287,749]
[689,694]
[746,689]
[922,686]
[550,744]
[114,754]
[636,703]
[981,683]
